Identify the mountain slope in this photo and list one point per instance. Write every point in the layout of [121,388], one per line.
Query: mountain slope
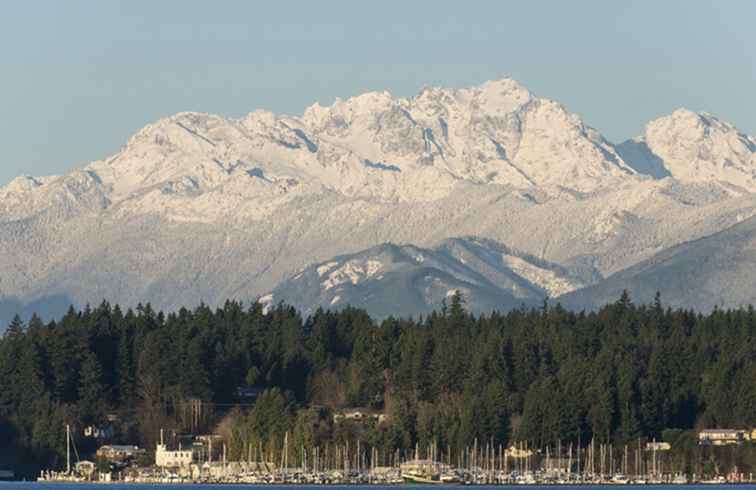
[715,271]
[407,280]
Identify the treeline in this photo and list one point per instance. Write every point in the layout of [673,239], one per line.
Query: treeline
[538,375]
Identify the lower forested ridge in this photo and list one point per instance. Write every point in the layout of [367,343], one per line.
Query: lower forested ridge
[619,375]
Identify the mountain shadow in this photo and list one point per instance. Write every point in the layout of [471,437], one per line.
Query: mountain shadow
[639,156]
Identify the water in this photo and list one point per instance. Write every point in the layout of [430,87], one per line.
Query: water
[133,486]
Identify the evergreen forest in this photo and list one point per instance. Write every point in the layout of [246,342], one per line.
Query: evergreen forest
[620,375]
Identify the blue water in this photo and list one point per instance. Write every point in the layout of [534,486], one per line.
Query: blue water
[131,486]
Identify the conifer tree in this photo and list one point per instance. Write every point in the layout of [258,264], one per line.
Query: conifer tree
[92,393]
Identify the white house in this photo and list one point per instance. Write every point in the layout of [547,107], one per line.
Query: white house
[172,459]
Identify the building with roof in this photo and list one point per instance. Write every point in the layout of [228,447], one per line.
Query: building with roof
[118,453]
[722,437]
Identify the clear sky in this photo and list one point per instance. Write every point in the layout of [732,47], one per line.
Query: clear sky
[79,77]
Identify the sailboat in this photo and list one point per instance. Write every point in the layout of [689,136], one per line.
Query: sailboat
[423,471]
[68,475]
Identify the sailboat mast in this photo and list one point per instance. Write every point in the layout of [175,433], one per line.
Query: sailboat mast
[68,449]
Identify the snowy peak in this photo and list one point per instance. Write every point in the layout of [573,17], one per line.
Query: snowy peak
[497,132]
[185,145]
[494,98]
[76,193]
[699,147]
[498,97]
[381,148]
[202,167]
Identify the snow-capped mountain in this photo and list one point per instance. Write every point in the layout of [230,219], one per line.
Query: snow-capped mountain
[200,167]
[407,280]
[694,147]
[197,207]
[496,133]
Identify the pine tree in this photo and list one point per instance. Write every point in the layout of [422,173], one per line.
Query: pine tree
[125,371]
[11,350]
[15,329]
[194,378]
[367,383]
[92,393]
[457,309]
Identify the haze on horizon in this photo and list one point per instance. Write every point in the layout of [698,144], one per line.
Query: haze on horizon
[81,77]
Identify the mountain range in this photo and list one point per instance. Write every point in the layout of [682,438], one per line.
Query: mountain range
[391,204]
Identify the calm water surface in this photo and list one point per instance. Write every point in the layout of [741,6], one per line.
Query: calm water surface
[130,486]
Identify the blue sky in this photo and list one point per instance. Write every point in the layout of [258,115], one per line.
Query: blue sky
[79,77]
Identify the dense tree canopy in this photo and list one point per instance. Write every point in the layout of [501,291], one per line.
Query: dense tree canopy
[537,375]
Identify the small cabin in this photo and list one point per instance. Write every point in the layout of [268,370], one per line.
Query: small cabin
[359,415]
[658,446]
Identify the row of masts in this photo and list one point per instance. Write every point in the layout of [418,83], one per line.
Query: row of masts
[489,463]
[593,459]
[487,458]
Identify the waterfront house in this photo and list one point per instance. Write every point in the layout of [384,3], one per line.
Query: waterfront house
[165,458]
[119,454]
[722,437]
[172,459]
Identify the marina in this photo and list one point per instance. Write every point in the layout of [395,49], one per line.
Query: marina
[486,465]
[175,486]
